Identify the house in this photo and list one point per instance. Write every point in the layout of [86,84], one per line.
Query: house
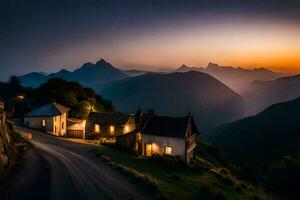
[76,128]
[51,118]
[105,124]
[175,136]
[163,135]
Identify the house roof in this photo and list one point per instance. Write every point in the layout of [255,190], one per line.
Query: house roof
[48,110]
[168,126]
[107,118]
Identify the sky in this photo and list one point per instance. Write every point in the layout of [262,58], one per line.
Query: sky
[48,35]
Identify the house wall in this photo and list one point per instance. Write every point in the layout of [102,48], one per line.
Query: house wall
[105,128]
[60,125]
[36,123]
[159,142]
[56,125]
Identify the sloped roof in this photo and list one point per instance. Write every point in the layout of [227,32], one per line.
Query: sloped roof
[168,126]
[48,110]
[107,118]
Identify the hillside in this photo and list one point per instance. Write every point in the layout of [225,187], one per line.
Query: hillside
[277,126]
[177,94]
[88,75]
[236,78]
[267,146]
[162,177]
[262,94]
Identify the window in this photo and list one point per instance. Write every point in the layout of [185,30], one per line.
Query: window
[168,150]
[97,128]
[62,126]
[54,119]
[43,123]
[148,150]
[112,129]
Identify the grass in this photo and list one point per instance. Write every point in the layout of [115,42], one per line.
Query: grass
[171,179]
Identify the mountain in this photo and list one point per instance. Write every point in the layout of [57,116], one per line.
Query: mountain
[267,147]
[33,79]
[275,130]
[261,94]
[88,74]
[236,78]
[210,101]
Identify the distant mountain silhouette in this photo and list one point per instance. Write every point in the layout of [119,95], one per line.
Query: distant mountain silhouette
[236,78]
[88,74]
[274,131]
[209,100]
[262,94]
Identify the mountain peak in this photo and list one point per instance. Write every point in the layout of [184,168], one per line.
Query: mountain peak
[88,64]
[212,66]
[101,62]
[182,67]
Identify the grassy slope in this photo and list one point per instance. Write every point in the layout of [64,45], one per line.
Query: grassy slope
[175,181]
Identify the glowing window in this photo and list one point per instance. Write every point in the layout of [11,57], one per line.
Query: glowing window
[43,123]
[97,128]
[168,150]
[112,129]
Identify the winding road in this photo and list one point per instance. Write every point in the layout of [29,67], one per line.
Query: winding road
[61,169]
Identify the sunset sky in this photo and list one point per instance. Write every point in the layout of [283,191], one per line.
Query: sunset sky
[49,35]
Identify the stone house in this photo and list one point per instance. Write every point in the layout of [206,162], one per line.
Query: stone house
[105,124]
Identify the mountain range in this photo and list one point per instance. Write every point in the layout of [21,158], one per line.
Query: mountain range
[261,94]
[276,130]
[236,78]
[88,74]
[209,100]
[266,147]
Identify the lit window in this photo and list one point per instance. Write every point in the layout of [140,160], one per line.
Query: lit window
[112,129]
[43,123]
[97,128]
[168,150]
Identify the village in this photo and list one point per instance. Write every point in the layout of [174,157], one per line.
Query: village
[145,134]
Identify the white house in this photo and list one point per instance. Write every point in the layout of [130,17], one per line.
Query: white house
[175,136]
[51,118]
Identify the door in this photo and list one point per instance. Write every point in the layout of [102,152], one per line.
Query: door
[148,149]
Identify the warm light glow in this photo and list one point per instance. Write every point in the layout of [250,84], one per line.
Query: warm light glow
[155,148]
[126,128]
[97,128]
[20,97]
[43,123]
[168,150]
[148,149]
[112,129]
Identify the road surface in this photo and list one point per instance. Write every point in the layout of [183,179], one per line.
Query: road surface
[59,169]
